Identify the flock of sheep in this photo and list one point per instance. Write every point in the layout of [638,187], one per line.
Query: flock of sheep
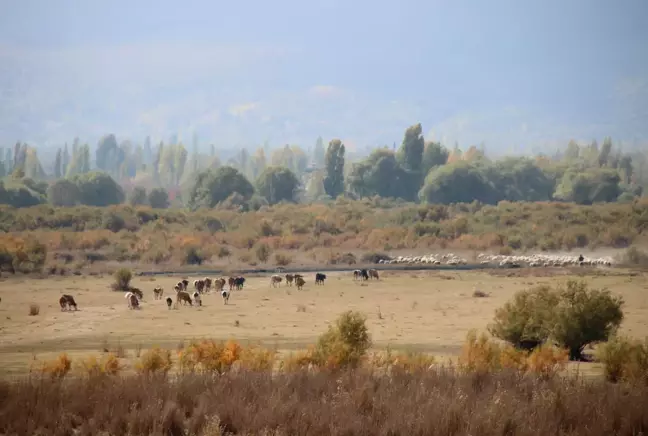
[532,260]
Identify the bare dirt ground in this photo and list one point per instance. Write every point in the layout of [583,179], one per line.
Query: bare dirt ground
[425,311]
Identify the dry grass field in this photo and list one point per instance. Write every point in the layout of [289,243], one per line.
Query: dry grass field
[425,311]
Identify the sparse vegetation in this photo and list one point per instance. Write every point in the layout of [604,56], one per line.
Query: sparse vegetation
[625,360]
[123,277]
[324,233]
[404,386]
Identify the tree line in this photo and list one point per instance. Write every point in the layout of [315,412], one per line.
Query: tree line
[418,171]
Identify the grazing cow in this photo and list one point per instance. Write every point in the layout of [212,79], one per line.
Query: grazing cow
[275,280]
[199,285]
[289,279]
[364,274]
[138,292]
[319,278]
[67,301]
[373,274]
[133,302]
[197,298]
[225,294]
[238,282]
[184,297]
[158,292]
[169,302]
[300,282]
[219,284]
[208,284]
[356,274]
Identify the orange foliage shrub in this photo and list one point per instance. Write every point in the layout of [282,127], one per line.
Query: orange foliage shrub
[57,368]
[154,361]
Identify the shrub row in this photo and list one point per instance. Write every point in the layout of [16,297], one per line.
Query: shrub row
[327,232]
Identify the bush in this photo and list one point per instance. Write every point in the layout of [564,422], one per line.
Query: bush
[57,368]
[625,360]
[123,277]
[154,361]
[525,322]
[262,251]
[93,367]
[345,343]
[546,360]
[374,257]
[584,316]
[193,256]
[223,251]
[210,356]
[34,309]
[282,259]
[481,355]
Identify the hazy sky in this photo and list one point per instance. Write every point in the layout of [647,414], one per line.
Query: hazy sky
[509,73]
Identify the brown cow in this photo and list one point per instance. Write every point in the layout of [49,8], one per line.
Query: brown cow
[133,302]
[184,297]
[232,282]
[137,292]
[300,282]
[199,285]
[219,284]
[208,284]
[67,301]
[289,279]
[275,279]
[373,274]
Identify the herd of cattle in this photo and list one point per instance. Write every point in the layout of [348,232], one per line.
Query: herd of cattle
[224,286]
[532,260]
[183,295]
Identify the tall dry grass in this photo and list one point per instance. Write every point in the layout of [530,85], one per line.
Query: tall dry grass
[353,402]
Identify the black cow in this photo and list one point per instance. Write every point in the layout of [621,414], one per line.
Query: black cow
[319,278]
[238,282]
[364,274]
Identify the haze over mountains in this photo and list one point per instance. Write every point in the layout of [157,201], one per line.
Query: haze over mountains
[514,75]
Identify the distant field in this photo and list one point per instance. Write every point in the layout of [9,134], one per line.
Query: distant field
[424,310]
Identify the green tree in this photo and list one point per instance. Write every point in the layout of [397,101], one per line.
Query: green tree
[525,321]
[108,154]
[58,164]
[605,152]
[65,160]
[158,198]
[380,174]
[63,192]
[460,182]
[434,155]
[410,154]
[319,152]
[585,316]
[277,184]
[98,189]
[137,196]
[334,179]
[215,186]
